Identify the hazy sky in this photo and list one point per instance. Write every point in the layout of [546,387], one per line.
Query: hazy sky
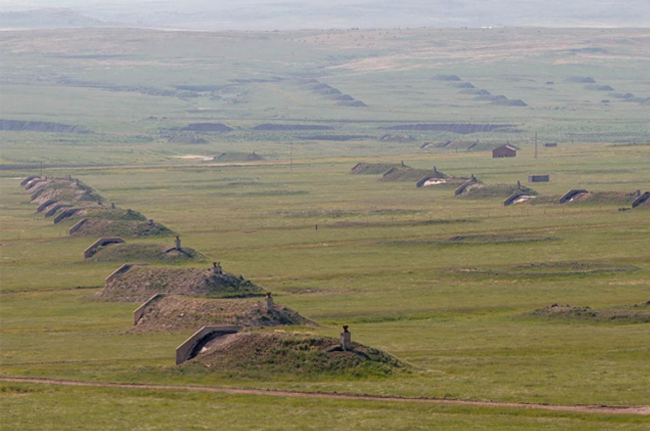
[291,14]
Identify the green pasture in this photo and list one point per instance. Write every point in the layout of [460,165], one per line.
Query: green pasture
[446,284]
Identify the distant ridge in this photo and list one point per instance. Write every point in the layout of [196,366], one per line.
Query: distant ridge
[265,15]
[48,18]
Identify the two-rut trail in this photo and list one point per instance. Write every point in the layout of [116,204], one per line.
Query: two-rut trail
[602,409]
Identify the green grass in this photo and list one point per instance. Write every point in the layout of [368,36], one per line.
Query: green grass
[442,283]
[59,408]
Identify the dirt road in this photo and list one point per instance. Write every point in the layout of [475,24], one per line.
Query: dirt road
[630,410]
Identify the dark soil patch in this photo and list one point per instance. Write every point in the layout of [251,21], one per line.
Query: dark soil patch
[510,102]
[571,268]
[360,224]
[200,88]
[553,270]
[283,127]
[476,239]
[175,313]
[599,87]
[39,126]
[581,79]
[336,137]
[294,355]
[207,127]
[142,282]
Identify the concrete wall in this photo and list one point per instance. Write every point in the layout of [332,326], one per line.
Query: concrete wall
[539,178]
[28,179]
[77,226]
[139,312]
[90,251]
[121,270]
[503,152]
[183,352]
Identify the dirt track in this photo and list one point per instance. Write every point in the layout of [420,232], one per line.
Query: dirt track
[630,410]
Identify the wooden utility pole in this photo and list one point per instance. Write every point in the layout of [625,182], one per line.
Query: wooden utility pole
[535,143]
[291,158]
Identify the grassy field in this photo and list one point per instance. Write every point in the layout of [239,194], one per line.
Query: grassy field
[445,284]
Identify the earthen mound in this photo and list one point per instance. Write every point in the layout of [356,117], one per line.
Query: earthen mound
[352,103]
[60,189]
[373,168]
[335,137]
[282,127]
[487,191]
[510,102]
[141,282]
[581,79]
[471,183]
[294,354]
[403,174]
[455,128]
[596,87]
[39,126]
[67,198]
[451,78]
[206,127]
[603,198]
[438,178]
[476,92]
[463,85]
[126,252]
[629,315]
[101,227]
[174,313]
[237,157]
[396,138]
